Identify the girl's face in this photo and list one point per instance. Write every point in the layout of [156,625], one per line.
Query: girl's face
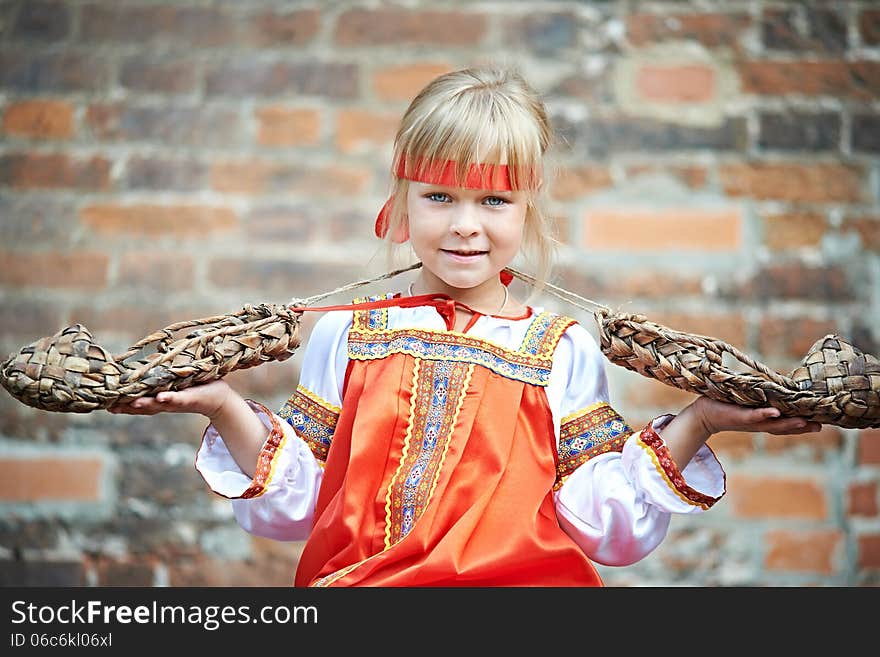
[463,236]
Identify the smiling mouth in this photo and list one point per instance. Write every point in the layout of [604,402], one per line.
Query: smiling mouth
[462,252]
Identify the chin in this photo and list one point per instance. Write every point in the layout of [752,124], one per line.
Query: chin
[462,282]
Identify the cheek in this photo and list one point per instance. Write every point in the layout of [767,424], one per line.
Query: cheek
[424,230]
[510,231]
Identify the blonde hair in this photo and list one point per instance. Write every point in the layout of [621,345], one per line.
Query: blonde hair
[478,115]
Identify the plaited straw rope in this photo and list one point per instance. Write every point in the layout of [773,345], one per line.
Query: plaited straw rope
[835,384]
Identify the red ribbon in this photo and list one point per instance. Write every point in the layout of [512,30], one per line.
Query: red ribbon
[495,177]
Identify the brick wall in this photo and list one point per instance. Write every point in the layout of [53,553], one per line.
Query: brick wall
[719,172]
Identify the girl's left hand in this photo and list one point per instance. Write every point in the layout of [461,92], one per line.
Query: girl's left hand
[719,416]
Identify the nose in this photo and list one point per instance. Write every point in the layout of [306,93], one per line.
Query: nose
[465,221]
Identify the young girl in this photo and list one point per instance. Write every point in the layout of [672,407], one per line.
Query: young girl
[448,434]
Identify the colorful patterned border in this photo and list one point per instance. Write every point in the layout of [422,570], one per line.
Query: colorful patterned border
[653,443]
[544,333]
[439,389]
[583,435]
[375,319]
[268,457]
[314,420]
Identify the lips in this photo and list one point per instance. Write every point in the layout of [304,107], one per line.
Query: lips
[464,252]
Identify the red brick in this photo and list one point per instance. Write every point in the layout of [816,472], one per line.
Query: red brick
[288,223]
[394,26]
[546,34]
[264,382]
[288,126]
[255,75]
[816,445]
[648,393]
[268,29]
[730,327]
[628,284]
[111,572]
[732,445]
[54,269]
[791,337]
[868,229]
[190,221]
[811,552]
[41,119]
[403,82]
[29,71]
[62,479]
[258,177]
[691,83]
[182,123]
[198,26]
[576,182]
[804,183]
[169,75]
[869,447]
[798,280]
[165,173]
[360,130]
[279,276]
[869,26]
[694,177]
[792,230]
[272,563]
[157,271]
[863,499]
[869,551]
[102,120]
[29,318]
[837,78]
[712,30]
[136,321]
[653,285]
[54,171]
[679,229]
[41,21]
[776,497]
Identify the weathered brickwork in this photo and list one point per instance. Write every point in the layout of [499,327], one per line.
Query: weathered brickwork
[718,169]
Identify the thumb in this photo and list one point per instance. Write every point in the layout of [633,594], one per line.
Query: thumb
[770,413]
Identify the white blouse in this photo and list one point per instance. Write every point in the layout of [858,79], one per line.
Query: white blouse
[616,506]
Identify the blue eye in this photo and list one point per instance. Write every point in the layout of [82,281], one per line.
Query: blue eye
[438,197]
[494,201]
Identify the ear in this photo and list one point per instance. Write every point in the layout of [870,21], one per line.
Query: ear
[401,232]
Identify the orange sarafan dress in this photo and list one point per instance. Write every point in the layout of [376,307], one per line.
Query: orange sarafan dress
[444,462]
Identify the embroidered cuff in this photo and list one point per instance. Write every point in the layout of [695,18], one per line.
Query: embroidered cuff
[223,475]
[704,470]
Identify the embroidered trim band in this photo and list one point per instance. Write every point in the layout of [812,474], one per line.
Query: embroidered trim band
[651,441]
[584,435]
[314,420]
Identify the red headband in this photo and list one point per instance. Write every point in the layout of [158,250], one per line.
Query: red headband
[479,176]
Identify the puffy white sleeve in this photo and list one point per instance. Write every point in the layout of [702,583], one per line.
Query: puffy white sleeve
[616,488]
[278,502]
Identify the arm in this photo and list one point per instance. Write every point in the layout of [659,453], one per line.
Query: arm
[269,464]
[244,433]
[689,430]
[615,499]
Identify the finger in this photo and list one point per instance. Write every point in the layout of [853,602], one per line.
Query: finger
[173,401]
[140,406]
[750,419]
[795,427]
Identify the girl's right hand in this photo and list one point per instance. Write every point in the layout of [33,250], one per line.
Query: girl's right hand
[206,399]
